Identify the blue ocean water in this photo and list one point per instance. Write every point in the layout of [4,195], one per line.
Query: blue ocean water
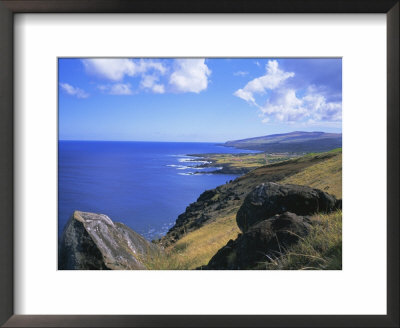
[145,185]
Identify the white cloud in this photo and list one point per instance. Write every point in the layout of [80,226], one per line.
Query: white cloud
[74,91]
[113,69]
[116,89]
[158,88]
[116,69]
[240,73]
[146,65]
[273,78]
[286,106]
[283,104]
[186,75]
[150,82]
[190,75]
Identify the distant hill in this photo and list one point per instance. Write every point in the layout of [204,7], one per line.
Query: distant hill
[293,142]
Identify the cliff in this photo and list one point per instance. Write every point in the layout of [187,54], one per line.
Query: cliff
[210,223]
[225,200]
[94,242]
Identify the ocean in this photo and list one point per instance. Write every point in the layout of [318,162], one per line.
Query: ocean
[144,185]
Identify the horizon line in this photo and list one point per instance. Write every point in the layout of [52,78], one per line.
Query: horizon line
[229,140]
[100,140]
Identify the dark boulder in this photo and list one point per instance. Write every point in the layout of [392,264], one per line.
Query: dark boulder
[94,242]
[265,240]
[271,198]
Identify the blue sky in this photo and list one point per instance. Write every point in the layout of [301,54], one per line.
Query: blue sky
[209,100]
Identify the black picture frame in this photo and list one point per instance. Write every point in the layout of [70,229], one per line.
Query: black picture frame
[10,7]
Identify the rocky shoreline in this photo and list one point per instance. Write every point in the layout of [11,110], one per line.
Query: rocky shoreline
[213,163]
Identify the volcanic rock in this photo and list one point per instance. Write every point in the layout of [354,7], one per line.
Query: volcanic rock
[94,242]
[271,198]
[262,242]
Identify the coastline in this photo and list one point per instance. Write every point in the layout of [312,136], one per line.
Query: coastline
[210,222]
[236,164]
[220,168]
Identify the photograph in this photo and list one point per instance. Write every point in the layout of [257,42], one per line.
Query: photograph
[181,163]
[199,163]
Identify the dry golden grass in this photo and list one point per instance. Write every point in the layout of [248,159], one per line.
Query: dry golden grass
[197,247]
[326,175]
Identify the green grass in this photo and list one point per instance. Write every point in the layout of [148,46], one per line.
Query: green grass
[336,151]
[320,250]
[249,161]
[239,161]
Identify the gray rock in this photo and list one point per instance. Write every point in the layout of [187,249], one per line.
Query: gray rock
[271,198]
[94,242]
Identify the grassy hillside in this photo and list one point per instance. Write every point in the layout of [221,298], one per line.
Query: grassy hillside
[210,222]
[197,247]
[219,202]
[326,176]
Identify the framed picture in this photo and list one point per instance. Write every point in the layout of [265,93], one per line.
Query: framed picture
[181,164]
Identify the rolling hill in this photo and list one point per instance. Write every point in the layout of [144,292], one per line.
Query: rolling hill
[293,142]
